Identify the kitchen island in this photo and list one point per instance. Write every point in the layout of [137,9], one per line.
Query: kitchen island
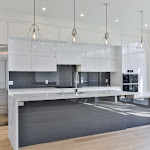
[36,118]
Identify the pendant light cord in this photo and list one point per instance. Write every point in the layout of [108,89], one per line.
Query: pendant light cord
[141,25]
[34,12]
[74,14]
[106,18]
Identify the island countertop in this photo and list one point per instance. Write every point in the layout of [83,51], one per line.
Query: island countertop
[67,95]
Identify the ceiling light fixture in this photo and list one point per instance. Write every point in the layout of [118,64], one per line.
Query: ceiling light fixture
[106,38]
[116,20]
[44,9]
[146,25]
[142,43]
[34,33]
[81,15]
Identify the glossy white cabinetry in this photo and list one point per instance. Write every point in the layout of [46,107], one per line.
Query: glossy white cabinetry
[90,65]
[68,54]
[31,56]
[90,51]
[19,63]
[19,47]
[44,48]
[98,59]
[3,33]
[43,63]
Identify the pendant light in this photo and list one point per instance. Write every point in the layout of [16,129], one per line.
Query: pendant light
[142,44]
[34,32]
[74,31]
[106,39]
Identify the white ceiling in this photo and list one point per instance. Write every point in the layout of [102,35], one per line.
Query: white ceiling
[60,12]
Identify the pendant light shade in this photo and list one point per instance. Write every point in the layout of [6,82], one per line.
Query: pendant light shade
[106,41]
[34,31]
[142,43]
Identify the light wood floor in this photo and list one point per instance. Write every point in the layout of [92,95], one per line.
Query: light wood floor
[131,139]
[3,119]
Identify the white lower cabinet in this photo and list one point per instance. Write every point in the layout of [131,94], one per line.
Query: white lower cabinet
[90,65]
[43,63]
[19,63]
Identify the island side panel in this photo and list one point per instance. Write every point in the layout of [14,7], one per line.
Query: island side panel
[13,122]
[47,121]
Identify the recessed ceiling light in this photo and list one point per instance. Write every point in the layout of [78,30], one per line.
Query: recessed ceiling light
[44,9]
[146,25]
[116,20]
[54,48]
[81,15]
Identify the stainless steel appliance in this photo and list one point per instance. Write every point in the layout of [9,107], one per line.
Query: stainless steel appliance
[130,80]
[3,85]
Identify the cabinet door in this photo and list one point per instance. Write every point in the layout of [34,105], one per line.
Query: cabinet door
[3,33]
[44,48]
[19,47]
[91,51]
[43,63]
[19,63]
[68,54]
[108,65]
[90,65]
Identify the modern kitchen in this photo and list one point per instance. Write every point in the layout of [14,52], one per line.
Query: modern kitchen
[74,75]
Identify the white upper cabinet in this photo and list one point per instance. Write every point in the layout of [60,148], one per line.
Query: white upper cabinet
[91,51]
[3,33]
[130,41]
[19,47]
[19,63]
[66,35]
[49,33]
[44,48]
[68,54]
[43,63]
[90,65]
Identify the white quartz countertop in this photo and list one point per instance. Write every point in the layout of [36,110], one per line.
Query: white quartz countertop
[69,95]
[56,90]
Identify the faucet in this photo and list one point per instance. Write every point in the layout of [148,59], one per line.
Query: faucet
[76,83]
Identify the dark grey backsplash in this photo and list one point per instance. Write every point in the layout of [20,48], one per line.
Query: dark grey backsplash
[94,79]
[64,77]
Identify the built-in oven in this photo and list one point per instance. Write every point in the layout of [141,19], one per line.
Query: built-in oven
[130,80]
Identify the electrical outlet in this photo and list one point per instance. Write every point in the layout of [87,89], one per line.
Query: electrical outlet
[46,81]
[11,82]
